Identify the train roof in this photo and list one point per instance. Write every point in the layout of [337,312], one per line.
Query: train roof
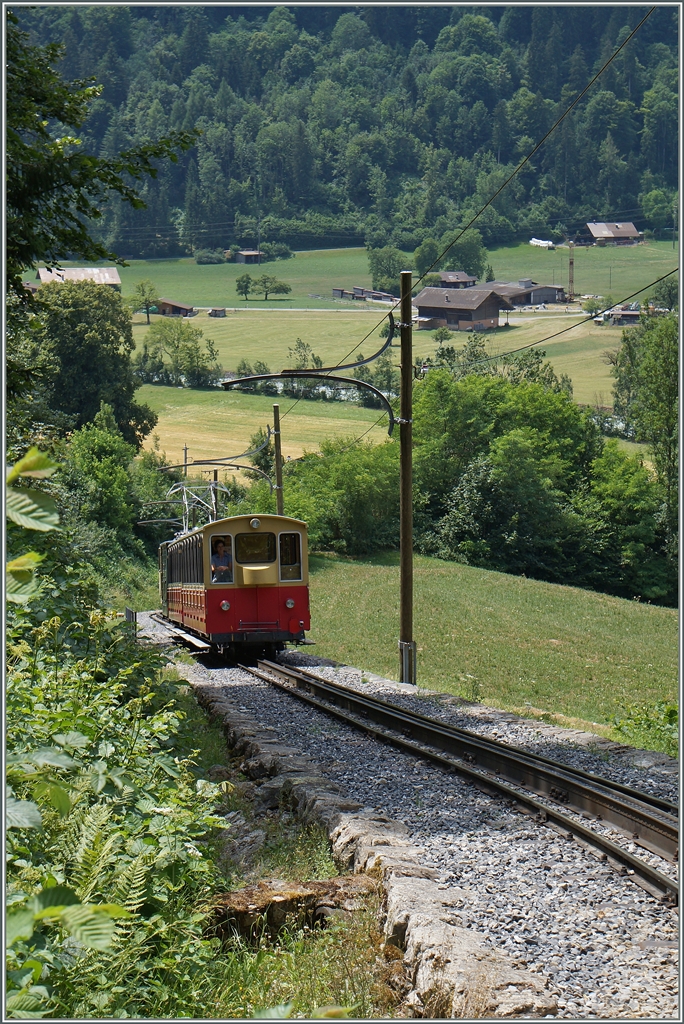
[218,523]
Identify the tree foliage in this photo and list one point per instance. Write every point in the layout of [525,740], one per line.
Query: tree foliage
[174,353]
[343,128]
[55,188]
[145,296]
[86,327]
[646,396]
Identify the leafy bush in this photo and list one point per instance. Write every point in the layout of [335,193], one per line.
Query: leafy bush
[209,256]
[89,727]
[654,726]
[275,251]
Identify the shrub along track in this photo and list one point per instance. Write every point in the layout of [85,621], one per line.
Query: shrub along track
[649,820]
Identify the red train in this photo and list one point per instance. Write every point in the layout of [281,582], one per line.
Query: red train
[239,583]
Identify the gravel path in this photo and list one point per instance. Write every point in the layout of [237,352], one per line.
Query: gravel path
[607,947]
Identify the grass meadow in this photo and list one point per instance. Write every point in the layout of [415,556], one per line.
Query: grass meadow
[216,423]
[312,276]
[615,270]
[213,422]
[535,648]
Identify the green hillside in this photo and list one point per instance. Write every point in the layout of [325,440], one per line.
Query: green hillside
[511,642]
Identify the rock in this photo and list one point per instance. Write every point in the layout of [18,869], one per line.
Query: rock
[448,962]
[272,901]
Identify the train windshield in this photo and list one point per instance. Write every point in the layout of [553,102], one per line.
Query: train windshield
[255,547]
[290,557]
[222,559]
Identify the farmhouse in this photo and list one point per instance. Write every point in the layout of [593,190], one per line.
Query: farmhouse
[100,275]
[457,279]
[614,234]
[168,308]
[529,293]
[474,309]
[248,256]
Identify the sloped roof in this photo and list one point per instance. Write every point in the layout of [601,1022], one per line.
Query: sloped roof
[459,298]
[456,275]
[173,302]
[100,275]
[610,229]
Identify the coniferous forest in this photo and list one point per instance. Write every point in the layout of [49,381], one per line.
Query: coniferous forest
[379,125]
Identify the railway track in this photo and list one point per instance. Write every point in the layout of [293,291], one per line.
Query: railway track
[571,799]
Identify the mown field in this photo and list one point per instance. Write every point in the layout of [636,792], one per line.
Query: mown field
[262,334]
[258,334]
[210,421]
[218,423]
[515,643]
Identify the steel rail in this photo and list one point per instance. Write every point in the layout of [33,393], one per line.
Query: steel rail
[492,766]
[627,809]
[585,789]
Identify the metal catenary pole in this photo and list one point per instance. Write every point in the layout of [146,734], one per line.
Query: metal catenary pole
[407,645]
[278,461]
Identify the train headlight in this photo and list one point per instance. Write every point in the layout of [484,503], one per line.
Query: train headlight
[255,523]
[289,603]
[225,606]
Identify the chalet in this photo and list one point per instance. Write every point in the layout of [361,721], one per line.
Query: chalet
[529,293]
[614,234]
[457,279]
[99,275]
[248,256]
[217,311]
[475,309]
[168,308]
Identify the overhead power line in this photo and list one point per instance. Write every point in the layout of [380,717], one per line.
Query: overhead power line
[578,323]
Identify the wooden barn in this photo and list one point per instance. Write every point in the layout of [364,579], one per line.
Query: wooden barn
[168,308]
[475,309]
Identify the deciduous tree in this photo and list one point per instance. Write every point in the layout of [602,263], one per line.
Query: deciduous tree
[87,329]
[145,296]
[244,285]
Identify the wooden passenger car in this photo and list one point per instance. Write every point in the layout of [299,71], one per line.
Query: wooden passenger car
[239,581]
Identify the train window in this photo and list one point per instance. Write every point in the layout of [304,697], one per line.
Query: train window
[222,558]
[290,557]
[255,547]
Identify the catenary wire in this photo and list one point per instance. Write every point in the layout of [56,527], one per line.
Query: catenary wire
[578,323]
[503,355]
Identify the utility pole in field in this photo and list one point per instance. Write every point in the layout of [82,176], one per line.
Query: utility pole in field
[278,462]
[407,645]
[185,460]
[571,272]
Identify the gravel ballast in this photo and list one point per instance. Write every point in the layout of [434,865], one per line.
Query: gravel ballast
[604,947]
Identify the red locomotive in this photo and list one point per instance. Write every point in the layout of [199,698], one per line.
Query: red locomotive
[239,583]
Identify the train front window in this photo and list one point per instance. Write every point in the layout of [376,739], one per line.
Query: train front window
[290,557]
[255,547]
[222,559]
